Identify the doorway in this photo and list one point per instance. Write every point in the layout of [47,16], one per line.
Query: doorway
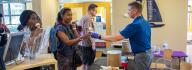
[103,17]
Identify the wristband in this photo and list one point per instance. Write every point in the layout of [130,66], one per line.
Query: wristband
[95,35]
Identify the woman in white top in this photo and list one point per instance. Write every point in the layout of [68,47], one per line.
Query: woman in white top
[31,25]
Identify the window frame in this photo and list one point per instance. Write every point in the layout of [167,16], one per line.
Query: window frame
[9,11]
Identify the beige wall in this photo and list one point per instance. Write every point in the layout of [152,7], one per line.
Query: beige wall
[47,10]
[174,14]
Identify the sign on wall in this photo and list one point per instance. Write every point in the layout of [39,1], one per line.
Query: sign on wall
[153,13]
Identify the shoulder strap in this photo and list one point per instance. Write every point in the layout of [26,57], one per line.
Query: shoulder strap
[68,31]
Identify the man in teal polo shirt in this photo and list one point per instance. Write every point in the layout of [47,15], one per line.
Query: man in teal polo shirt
[139,34]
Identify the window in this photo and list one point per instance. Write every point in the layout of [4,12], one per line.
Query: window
[12,10]
[17,8]
[7,20]
[5,8]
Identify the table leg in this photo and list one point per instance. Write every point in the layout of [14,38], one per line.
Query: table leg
[56,67]
[179,62]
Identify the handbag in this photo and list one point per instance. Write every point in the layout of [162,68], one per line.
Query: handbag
[3,37]
[77,58]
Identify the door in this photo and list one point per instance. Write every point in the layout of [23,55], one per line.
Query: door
[103,18]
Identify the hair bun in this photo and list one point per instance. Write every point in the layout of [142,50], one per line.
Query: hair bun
[20,27]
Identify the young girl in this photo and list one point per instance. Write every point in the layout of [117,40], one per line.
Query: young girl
[32,40]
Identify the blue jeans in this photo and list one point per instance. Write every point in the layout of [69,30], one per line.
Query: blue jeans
[142,61]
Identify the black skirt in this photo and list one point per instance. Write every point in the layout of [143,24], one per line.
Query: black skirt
[88,55]
[64,62]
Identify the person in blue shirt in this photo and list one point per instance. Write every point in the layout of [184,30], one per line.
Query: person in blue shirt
[139,34]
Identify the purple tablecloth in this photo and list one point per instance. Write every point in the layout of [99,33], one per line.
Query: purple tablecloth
[174,54]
